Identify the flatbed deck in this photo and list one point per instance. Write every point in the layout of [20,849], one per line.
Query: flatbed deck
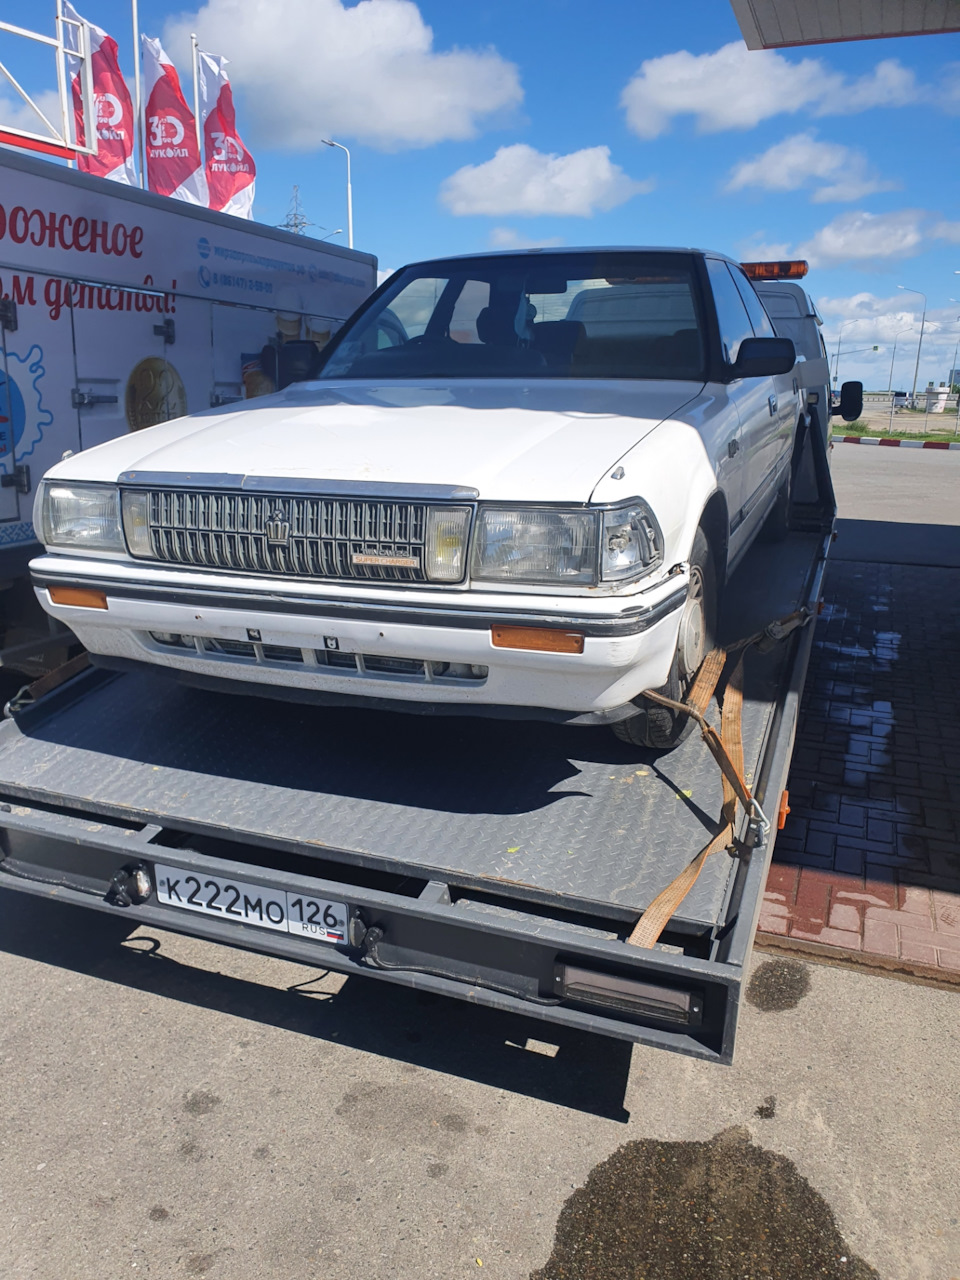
[485,853]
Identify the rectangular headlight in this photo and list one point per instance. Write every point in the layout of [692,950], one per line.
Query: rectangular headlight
[136,522]
[86,517]
[631,543]
[445,555]
[536,546]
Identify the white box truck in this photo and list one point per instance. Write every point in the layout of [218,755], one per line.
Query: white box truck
[120,309]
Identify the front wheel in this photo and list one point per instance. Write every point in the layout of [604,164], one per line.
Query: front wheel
[662,728]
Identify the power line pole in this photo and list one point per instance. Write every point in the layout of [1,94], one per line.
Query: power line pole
[296,220]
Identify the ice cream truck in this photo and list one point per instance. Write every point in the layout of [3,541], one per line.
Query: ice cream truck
[120,309]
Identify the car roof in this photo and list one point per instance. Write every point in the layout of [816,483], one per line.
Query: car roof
[555,251]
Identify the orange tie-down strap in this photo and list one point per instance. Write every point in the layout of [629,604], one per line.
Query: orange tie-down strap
[726,747]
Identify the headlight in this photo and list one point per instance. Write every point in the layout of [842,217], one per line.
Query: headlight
[631,543]
[536,546]
[445,556]
[83,516]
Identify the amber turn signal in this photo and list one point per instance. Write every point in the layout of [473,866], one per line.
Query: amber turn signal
[79,597]
[543,639]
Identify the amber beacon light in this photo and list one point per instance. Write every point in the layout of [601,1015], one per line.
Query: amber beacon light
[795,269]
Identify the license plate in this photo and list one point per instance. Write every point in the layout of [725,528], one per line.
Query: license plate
[215,896]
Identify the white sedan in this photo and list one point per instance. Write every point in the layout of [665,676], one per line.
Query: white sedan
[515,488]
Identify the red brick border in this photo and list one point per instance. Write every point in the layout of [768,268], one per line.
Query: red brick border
[879,923]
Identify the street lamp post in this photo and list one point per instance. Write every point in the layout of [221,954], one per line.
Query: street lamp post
[329,142]
[836,363]
[894,356]
[890,379]
[923,318]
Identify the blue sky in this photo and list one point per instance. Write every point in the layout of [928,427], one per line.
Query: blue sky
[499,123]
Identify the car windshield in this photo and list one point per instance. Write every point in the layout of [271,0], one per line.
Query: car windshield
[576,315]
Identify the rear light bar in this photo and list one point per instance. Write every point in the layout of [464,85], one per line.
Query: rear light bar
[642,999]
[793,270]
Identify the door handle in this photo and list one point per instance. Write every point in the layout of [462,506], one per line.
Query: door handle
[733,447]
[772,402]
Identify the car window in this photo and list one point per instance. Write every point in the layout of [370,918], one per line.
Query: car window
[762,327]
[731,313]
[777,302]
[578,315]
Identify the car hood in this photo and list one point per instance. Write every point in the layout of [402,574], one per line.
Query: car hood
[550,441]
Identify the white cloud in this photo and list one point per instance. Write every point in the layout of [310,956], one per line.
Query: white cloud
[736,88]
[521,180]
[802,160]
[312,69]
[860,237]
[887,321]
[896,308]
[508,238]
[949,231]
[756,249]
[856,238]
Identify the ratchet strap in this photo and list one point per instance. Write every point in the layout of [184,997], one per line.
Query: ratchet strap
[726,747]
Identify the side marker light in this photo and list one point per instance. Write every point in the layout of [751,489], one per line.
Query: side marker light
[541,639]
[783,810]
[78,597]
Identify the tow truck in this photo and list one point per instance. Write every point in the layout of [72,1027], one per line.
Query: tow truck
[512,864]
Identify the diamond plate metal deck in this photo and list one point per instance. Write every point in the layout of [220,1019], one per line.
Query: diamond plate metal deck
[570,815]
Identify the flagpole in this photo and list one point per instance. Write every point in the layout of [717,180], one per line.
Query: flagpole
[195,46]
[136,87]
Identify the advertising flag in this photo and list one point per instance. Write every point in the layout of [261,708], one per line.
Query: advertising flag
[231,173]
[173,156]
[114,109]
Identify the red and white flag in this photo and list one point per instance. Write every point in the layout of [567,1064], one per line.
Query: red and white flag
[231,173]
[111,97]
[173,156]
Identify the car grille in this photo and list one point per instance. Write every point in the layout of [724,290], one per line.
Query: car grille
[370,665]
[304,537]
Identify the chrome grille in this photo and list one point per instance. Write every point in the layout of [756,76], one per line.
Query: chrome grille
[299,536]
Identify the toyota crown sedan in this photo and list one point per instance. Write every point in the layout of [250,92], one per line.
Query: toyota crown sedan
[515,487]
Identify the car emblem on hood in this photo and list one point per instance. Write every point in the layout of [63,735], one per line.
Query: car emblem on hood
[278,527]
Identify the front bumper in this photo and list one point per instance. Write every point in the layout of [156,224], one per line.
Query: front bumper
[628,646]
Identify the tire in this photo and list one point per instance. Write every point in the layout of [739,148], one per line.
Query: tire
[661,728]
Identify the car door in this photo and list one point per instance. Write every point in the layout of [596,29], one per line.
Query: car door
[776,448]
[751,396]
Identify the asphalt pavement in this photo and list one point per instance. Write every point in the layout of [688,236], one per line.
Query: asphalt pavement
[175,1108]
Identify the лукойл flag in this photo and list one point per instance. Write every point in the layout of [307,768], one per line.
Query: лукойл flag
[114,109]
[231,173]
[170,141]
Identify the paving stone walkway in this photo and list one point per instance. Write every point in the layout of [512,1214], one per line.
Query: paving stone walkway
[869,861]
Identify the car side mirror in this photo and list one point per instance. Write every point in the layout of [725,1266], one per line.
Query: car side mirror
[851,401]
[764,357]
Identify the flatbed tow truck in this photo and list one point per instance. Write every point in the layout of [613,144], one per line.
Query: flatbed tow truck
[501,862]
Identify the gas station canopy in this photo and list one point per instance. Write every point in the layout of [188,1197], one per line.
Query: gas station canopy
[776,24]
